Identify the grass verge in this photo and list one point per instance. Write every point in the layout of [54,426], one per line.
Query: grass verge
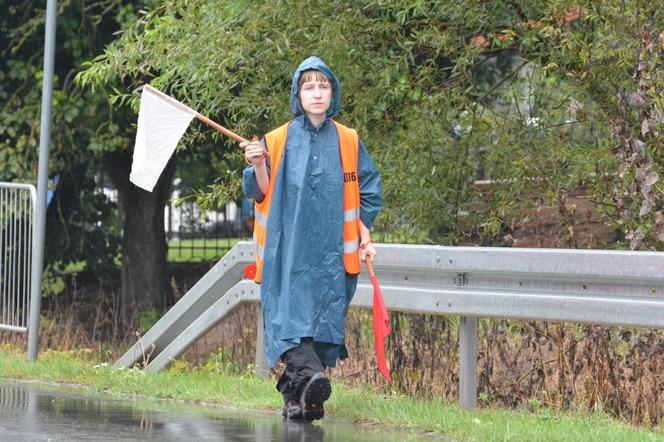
[214,383]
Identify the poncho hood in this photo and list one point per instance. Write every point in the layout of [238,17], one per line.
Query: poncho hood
[317,64]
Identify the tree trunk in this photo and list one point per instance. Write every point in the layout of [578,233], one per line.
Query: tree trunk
[144,248]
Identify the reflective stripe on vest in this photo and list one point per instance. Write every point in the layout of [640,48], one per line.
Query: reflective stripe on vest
[348,146]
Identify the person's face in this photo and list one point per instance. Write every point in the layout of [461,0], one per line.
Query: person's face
[316,97]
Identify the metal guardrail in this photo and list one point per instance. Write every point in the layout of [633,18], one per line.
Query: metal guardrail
[17,203]
[590,286]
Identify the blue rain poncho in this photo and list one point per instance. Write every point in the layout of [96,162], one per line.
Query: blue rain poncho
[305,291]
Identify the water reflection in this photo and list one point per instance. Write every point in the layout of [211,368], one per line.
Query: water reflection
[34,412]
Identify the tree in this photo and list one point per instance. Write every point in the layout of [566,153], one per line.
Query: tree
[76,208]
[89,139]
[413,81]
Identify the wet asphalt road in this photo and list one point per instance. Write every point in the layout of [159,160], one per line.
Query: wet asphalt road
[38,412]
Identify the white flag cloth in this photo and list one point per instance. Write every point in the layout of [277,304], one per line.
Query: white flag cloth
[161,123]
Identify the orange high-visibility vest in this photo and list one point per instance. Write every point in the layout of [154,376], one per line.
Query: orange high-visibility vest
[348,145]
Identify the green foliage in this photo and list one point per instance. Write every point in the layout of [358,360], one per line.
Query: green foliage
[442,93]
[147,319]
[81,221]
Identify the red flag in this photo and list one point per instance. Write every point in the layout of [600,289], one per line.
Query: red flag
[381,323]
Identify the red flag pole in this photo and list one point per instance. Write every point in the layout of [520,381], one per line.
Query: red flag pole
[381,323]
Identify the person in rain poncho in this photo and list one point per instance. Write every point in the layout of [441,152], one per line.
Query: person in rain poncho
[311,230]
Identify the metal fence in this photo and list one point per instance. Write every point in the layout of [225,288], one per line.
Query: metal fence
[17,202]
[194,234]
[589,286]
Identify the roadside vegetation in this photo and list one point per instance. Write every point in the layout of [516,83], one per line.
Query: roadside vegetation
[221,383]
[537,367]
[517,124]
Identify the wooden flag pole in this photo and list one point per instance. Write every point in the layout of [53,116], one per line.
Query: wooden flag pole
[220,128]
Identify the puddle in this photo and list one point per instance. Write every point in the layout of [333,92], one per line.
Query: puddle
[37,412]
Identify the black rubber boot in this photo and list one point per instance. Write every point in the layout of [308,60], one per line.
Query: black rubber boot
[292,410]
[314,394]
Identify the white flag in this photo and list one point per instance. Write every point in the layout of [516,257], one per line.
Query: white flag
[161,123]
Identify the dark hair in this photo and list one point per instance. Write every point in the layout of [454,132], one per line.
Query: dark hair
[312,74]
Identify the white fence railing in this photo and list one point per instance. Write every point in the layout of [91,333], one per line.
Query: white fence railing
[17,203]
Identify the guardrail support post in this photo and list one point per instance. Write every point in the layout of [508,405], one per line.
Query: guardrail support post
[467,362]
[262,368]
